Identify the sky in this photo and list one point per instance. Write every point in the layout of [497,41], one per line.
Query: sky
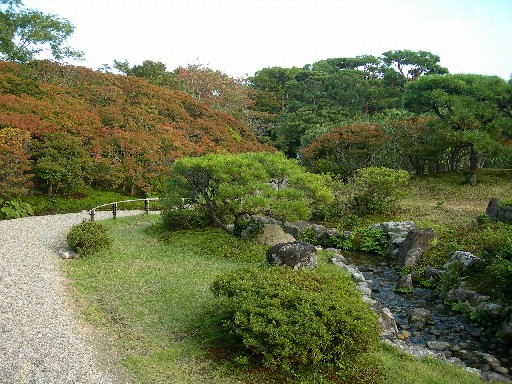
[240,37]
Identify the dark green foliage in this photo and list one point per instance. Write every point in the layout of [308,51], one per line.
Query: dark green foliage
[13,209]
[359,239]
[294,320]
[88,237]
[176,218]
[250,224]
[323,239]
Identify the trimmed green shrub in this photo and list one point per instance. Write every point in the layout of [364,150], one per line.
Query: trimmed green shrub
[88,237]
[377,189]
[177,218]
[292,320]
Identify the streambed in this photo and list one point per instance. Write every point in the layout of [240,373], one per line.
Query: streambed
[475,346]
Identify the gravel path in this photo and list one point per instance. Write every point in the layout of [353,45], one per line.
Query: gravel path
[41,339]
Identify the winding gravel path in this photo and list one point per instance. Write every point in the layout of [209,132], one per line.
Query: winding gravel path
[41,339]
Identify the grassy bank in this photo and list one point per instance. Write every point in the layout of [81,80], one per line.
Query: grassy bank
[446,201]
[153,296]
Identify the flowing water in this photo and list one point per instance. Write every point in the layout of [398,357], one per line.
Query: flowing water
[468,340]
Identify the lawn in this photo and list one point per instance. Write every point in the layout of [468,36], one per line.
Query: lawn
[152,295]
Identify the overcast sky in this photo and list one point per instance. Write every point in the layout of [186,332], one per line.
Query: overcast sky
[240,37]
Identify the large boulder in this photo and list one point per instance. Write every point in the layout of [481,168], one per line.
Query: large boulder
[471,298]
[396,231]
[506,326]
[411,249]
[493,207]
[466,259]
[419,318]
[296,255]
[388,327]
[495,210]
[404,284]
[271,235]
[297,228]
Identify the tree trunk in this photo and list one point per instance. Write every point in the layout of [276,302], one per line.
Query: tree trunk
[473,166]
[50,190]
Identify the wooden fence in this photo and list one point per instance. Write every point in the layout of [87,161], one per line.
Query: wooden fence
[115,204]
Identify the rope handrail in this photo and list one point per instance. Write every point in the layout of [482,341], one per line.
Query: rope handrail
[114,204]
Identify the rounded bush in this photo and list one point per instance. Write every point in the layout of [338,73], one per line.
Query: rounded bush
[88,237]
[292,320]
[377,189]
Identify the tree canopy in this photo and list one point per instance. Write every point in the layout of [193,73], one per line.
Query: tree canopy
[230,187]
[25,33]
[131,131]
[466,105]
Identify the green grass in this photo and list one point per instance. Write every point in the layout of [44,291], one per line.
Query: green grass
[446,201]
[152,294]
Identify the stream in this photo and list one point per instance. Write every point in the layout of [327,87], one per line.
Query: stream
[468,341]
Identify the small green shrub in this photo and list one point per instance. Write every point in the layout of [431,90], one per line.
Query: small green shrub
[88,237]
[249,223]
[177,218]
[293,320]
[13,209]
[373,241]
[450,279]
[377,189]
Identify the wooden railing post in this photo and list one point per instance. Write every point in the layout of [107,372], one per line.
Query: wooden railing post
[114,205]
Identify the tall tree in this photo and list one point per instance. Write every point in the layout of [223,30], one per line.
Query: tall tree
[413,64]
[25,33]
[232,186]
[62,162]
[468,106]
[344,149]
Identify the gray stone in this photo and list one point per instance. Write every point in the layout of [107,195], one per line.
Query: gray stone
[404,284]
[493,207]
[467,260]
[364,288]
[496,211]
[297,228]
[296,255]
[506,326]
[419,318]
[396,231]
[463,295]
[493,376]
[438,345]
[272,234]
[411,249]
[501,370]
[491,310]
[388,327]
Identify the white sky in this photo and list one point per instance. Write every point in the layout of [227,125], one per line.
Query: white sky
[240,37]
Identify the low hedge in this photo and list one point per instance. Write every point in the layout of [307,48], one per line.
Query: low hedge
[294,320]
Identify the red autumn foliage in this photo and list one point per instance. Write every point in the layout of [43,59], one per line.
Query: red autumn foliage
[344,149]
[132,130]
